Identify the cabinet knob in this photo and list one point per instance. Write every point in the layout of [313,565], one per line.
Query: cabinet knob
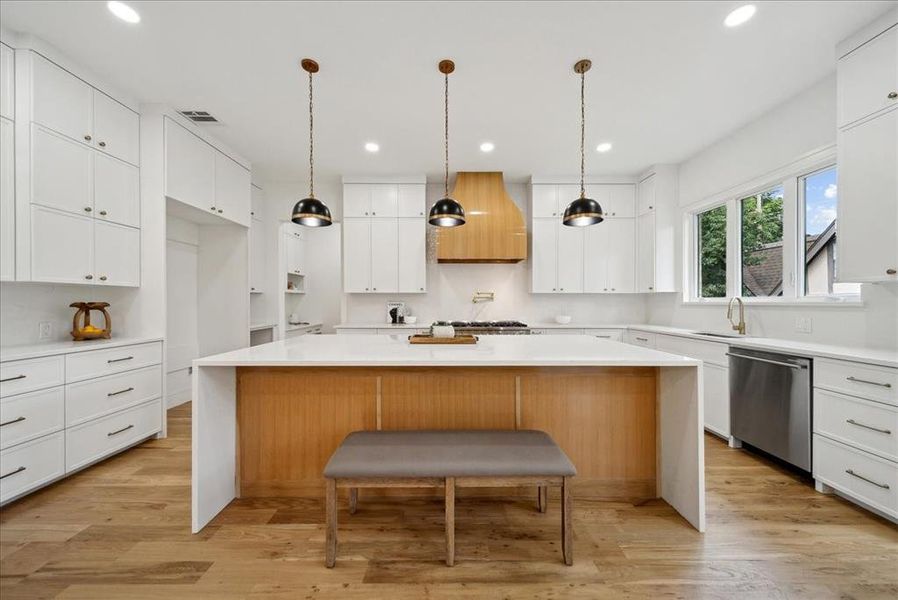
[366,289]
[605,289]
[88,276]
[374,289]
[87,209]
[87,138]
[366,213]
[211,208]
[102,278]
[102,144]
[422,289]
[373,214]
[891,271]
[651,207]
[651,288]
[613,289]
[220,210]
[893,95]
[102,213]
[553,289]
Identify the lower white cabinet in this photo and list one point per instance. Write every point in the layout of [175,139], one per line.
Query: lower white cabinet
[717,399]
[869,479]
[28,416]
[640,338]
[97,439]
[30,465]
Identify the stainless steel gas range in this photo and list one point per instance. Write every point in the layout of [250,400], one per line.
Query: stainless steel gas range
[491,327]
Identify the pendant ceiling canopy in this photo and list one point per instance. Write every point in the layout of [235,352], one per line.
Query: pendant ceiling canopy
[583,211]
[446,212]
[311,211]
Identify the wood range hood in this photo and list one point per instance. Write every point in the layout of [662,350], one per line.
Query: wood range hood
[494,231]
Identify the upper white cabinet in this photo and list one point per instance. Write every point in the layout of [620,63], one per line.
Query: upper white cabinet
[615,200]
[384,237]
[295,253]
[7,201]
[116,196]
[646,189]
[868,78]
[610,256]
[62,247]
[66,104]
[257,252]
[199,175]
[61,172]
[550,200]
[7,82]
[867,74]
[655,230]
[116,254]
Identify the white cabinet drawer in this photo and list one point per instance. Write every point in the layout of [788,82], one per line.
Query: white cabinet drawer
[867,425]
[856,379]
[20,376]
[868,478]
[93,440]
[709,352]
[31,464]
[641,338]
[97,397]
[28,416]
[97,363]
[607,334]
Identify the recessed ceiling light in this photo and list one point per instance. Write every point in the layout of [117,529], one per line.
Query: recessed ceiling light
[487,147]
[603,147]
[740,15]
[123,12]
[372,146]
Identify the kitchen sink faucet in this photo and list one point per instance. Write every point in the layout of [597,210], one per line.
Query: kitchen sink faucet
[740,326]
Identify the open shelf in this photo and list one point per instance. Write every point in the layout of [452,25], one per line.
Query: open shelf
[294,291]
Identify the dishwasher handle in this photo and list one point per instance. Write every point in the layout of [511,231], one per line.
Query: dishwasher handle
[767,360]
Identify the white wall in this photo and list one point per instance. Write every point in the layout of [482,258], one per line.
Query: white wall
[181,296]
[802,125]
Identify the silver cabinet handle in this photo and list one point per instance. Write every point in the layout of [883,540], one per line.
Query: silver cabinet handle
[115,360]
[87,209]
[856,380]
[884,486]
[102,213]
[88,276]
[891,271]
[118,431]
[767,360]
[102,278]
[642,339]
[893,95]
[124,391]
[13,378]
[212,208]
[87,138]
[220,210]
[102,144]
[19,420]
[870,427]
[19,470]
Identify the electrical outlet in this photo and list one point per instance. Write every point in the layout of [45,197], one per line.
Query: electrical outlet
[803,324]
[45,330]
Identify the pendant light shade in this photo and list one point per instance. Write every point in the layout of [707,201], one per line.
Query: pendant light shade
[311,211]
[583,211]
[446,212]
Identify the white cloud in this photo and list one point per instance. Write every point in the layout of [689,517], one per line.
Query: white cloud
[831,191]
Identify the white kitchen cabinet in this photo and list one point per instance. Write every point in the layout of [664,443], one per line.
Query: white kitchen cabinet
[61,101]
[570,258]
[116,254]
[384,255]
[640,338]
[868,78]
[61,172]
[116,128]
[356,255]
[295,253]
[411,200]
[646,194]
[7,201]
[255,202]
[370,200]
[116,196]
[557,257]
[412,246]
[616,200]
[7,82]
[189,168]
[62,246]
[550,200]
[256,256]
[717,399]
[656,230]
[384,200]
[645,256]
[232,190]
[610,263]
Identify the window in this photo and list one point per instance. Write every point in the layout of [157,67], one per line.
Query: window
[820,195]
[712,252]
[761,230]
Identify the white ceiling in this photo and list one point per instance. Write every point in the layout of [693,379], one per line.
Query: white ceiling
[667,79]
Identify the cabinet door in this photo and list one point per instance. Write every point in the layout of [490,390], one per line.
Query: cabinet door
[356,200]
[645,252]
[255,198]
[646,194]
[868,201]
[298,258]
[411,199]
[616,200]
[62,247]
[620,254]
[356,255]
[544,258]
[189,168]
[7,202]
[116,191]
[570,258]
[867,76]
[384,255]
[257,260]
[7,82]
[116,128]
[566,195]
[545,200]
[116,254]
[293,253]
[412,255]
[384,200]
[61,101]
[595,258]
[60,172]
[232,190]
[717,399]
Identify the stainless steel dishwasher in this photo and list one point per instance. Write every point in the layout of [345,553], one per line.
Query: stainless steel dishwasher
[770,403]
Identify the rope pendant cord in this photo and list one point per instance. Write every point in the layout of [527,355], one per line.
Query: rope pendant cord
[311,144]
[446,133]
[582,132]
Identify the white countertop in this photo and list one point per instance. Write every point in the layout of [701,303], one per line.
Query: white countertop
[426,324]
[291,327]
[67,347]
[490,351]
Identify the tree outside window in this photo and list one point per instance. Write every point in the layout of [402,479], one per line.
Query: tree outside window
[712,252]
[762,243]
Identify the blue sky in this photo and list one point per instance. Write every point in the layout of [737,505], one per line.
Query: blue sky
[820,197]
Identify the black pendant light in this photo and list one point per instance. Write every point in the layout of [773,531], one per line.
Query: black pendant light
[311,211]
[583,211]
[446,212]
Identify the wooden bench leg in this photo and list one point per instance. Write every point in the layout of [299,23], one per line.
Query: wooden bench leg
[542,500]
[450,521]
[330,509]
[353,500]
[567,533]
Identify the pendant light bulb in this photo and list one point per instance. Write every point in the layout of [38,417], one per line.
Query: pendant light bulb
[311,211]
[583,211]
[446,212]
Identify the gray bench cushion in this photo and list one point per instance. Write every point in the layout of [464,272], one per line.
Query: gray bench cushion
[480,453]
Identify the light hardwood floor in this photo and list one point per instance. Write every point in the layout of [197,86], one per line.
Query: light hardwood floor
[121,530]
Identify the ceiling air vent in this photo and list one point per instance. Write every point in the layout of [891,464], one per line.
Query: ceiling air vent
[198,116]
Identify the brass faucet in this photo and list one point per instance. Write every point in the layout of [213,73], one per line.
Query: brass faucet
[740,326]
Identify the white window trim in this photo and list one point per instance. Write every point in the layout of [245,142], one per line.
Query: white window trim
[788,177]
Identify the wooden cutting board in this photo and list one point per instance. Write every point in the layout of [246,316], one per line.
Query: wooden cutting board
[464,338]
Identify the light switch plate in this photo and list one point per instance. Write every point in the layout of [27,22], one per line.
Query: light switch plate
[803,324]
[45,330]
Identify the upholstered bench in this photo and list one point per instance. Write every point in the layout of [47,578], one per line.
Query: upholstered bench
[466,458]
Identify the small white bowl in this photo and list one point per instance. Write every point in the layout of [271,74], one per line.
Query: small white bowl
[563,319]
[411,320]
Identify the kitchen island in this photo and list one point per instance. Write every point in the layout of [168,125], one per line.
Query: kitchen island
[267,418]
